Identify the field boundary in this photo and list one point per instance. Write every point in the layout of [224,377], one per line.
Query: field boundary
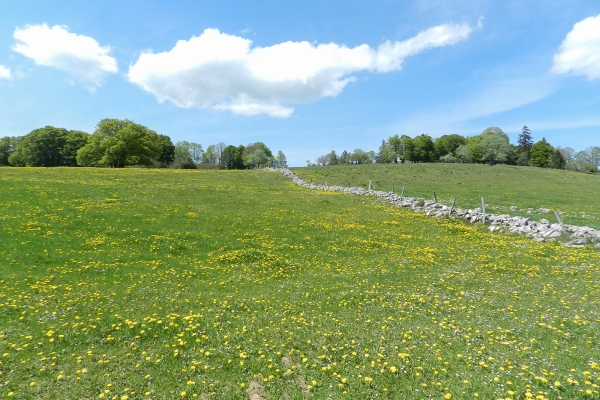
[542,231]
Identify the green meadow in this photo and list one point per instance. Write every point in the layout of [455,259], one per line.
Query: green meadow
[502,186]
[174,284]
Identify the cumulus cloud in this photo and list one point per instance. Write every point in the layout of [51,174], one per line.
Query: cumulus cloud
[79,55]
[224,72]
[4,72]
[579,53]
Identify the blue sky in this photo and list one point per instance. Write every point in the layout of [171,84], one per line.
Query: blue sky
[305,77]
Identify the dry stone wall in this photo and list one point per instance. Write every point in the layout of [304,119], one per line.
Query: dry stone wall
[540,231]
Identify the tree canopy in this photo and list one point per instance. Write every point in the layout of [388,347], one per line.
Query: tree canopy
[118,143]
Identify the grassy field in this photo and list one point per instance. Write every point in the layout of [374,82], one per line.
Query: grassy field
[162,284]
[502,186]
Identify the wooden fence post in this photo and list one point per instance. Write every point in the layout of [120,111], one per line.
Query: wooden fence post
[392,188]
[348,184]
[402,195]
[558,218]
[434,198]
[369,184]
[452,206]
[483,209]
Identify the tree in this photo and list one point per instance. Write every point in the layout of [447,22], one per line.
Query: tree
[210,156]
[424,150]
[182,156]
[74,140]
[406,149]
[47,147]
[7,147]
[540,154]
[495,148]
[359,156]
[166,150]
[332,158]
[557,160]
[263,156]
[343,158]
[447,144]
[496,131]
[463,154]
[232,157]
[567,153]
[196,152]
[117,143]
[280,160]
[524,143]
[322,160]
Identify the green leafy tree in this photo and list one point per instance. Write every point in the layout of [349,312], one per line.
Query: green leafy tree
[447,144]
[463,154]
[332,158]
[7,147]
[118,143]
[281,161]
[541,154]
[210,156]
[166,151]
[424,149]
[344,158]
[182,156]
[74,140]
[406,149]
[495,149]
[197,152]
[232,157]
[47,147]
[557,160]
[262,158]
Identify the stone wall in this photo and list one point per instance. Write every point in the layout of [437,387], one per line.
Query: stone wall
[542,231]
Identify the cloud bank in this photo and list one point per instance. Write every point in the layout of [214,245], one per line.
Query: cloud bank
[220,71]
[80,56]
[579,53]
[4,72]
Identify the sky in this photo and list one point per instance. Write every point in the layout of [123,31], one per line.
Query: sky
[305,77]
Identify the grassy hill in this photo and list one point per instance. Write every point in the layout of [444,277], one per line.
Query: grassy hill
[161,284]
[502,186]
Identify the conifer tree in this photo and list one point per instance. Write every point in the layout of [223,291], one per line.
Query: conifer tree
[524,144]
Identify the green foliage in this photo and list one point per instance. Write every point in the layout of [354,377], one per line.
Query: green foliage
[464,154]
[183,156]
[447,144]
[494,149]
[118,143]
[540,154]
[166,151]
[524,143]
[7,147]
[232,157]
[257,155]
[281,161]
[557,161]
[423,149]
[48,147]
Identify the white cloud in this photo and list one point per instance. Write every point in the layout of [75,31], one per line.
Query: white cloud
[79,55]
[223,72]
[579,53]
[4,72]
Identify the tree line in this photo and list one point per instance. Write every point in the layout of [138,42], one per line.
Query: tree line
[491,146]
[119,143]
